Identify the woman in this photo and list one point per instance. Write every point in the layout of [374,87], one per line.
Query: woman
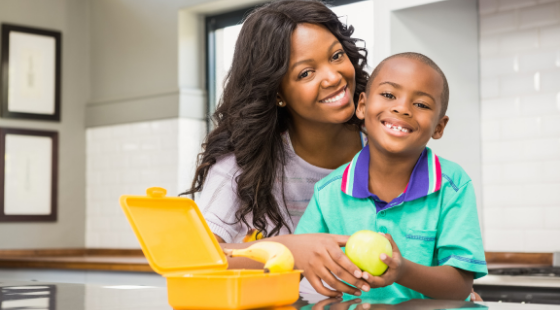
[285,120]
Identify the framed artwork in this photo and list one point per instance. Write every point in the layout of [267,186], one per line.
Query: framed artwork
[31,73]
[28,186]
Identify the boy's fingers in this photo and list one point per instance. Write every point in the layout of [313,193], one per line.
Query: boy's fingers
[388,260]
[317,284]
[341,259]
[375,282]
[393,244]
[333,282]
[344,275]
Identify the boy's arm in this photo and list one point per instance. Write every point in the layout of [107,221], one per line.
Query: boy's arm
[441,282]
[460,255]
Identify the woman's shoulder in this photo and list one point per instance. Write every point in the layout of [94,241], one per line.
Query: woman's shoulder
[225,165]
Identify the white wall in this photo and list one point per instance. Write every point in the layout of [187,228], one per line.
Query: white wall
[447,32]
[520,89]
[71,18]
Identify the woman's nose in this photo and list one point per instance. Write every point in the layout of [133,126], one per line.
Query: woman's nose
[332,78]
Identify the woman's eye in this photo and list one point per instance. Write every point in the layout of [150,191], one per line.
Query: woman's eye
[388,95]
[421,105]
[304,74]
[338,55]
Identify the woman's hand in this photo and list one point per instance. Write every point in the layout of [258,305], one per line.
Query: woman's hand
[321,258]
[394,272]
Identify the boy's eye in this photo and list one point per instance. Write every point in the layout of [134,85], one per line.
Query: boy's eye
[421,105]
[388,95]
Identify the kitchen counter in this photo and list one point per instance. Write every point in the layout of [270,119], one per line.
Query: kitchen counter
[82,259]
[64,296]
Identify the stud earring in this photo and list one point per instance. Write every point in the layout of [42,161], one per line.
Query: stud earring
[281,104]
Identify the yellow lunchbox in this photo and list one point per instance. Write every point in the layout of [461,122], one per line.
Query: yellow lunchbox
[179,246]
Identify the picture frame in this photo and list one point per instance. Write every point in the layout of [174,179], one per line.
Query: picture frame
[29,175]
[30,73]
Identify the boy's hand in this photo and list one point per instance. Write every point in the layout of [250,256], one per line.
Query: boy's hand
[397,265]
[321,258]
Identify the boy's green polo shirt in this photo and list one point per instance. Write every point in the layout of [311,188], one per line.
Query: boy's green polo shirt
[434,222]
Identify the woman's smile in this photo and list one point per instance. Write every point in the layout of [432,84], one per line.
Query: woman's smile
[340,97]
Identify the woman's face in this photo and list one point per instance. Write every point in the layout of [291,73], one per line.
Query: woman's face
[320,83]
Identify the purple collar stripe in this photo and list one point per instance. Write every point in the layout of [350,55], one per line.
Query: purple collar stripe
[424,180]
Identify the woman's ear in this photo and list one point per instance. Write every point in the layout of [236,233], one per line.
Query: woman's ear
[280,100]
[438,133]
[361,108]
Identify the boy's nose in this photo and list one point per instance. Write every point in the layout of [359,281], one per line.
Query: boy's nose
[401,108]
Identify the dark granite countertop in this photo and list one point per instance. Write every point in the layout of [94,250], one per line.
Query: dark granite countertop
[64,296]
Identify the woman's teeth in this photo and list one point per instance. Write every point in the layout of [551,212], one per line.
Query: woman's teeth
[338,97]
[396,128]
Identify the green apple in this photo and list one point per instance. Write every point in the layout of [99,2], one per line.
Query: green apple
[364,247]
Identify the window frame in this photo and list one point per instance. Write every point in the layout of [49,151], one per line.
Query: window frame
[223,20]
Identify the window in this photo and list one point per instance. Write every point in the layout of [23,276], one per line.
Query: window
[223,30]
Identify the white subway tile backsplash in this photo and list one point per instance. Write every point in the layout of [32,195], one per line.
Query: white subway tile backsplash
[489,45]
[552,217]
[516,128]
[542,60]
[519,41]
[540,15]
[501,151]
[490,130]
[517,84]
[494,66]
[551,171]
[500,22]
[520,48]
[551,125]
[541,149]
[491,173]
[128,159]
[542,240]
[539,105]
[501,240]
[550,36]
[550,81]
[522,172]
[500,108]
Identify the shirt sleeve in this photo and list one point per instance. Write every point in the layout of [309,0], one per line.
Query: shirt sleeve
[218,200]
[459,241]
[312,220]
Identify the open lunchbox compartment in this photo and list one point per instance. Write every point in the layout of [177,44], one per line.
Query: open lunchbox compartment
[179,245]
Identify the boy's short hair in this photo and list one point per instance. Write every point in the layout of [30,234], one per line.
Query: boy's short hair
[425,60]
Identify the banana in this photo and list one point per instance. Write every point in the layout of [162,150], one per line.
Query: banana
[275,256]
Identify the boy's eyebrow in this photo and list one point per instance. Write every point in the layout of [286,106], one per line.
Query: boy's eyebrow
[311,60]
[418,92]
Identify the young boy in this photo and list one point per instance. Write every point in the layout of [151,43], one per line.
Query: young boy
[425,205]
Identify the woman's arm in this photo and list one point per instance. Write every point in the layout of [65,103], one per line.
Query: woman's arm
[318,255]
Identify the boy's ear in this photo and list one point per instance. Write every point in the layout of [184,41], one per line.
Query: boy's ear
[438,133]
[361,108]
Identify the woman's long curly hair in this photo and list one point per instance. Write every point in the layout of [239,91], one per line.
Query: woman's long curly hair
[248,122]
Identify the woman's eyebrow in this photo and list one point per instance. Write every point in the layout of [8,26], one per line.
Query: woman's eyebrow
[333,44]
[300,62]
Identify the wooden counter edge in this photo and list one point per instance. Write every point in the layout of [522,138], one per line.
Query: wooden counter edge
[102,266]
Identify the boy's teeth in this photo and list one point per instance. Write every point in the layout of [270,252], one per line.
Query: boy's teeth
[396,128]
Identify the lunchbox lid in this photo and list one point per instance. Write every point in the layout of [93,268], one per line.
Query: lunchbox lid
[172,232]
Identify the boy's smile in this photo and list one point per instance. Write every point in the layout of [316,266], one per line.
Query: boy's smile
[402,107]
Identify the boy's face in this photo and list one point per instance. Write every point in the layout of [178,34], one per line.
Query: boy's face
[402,108]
